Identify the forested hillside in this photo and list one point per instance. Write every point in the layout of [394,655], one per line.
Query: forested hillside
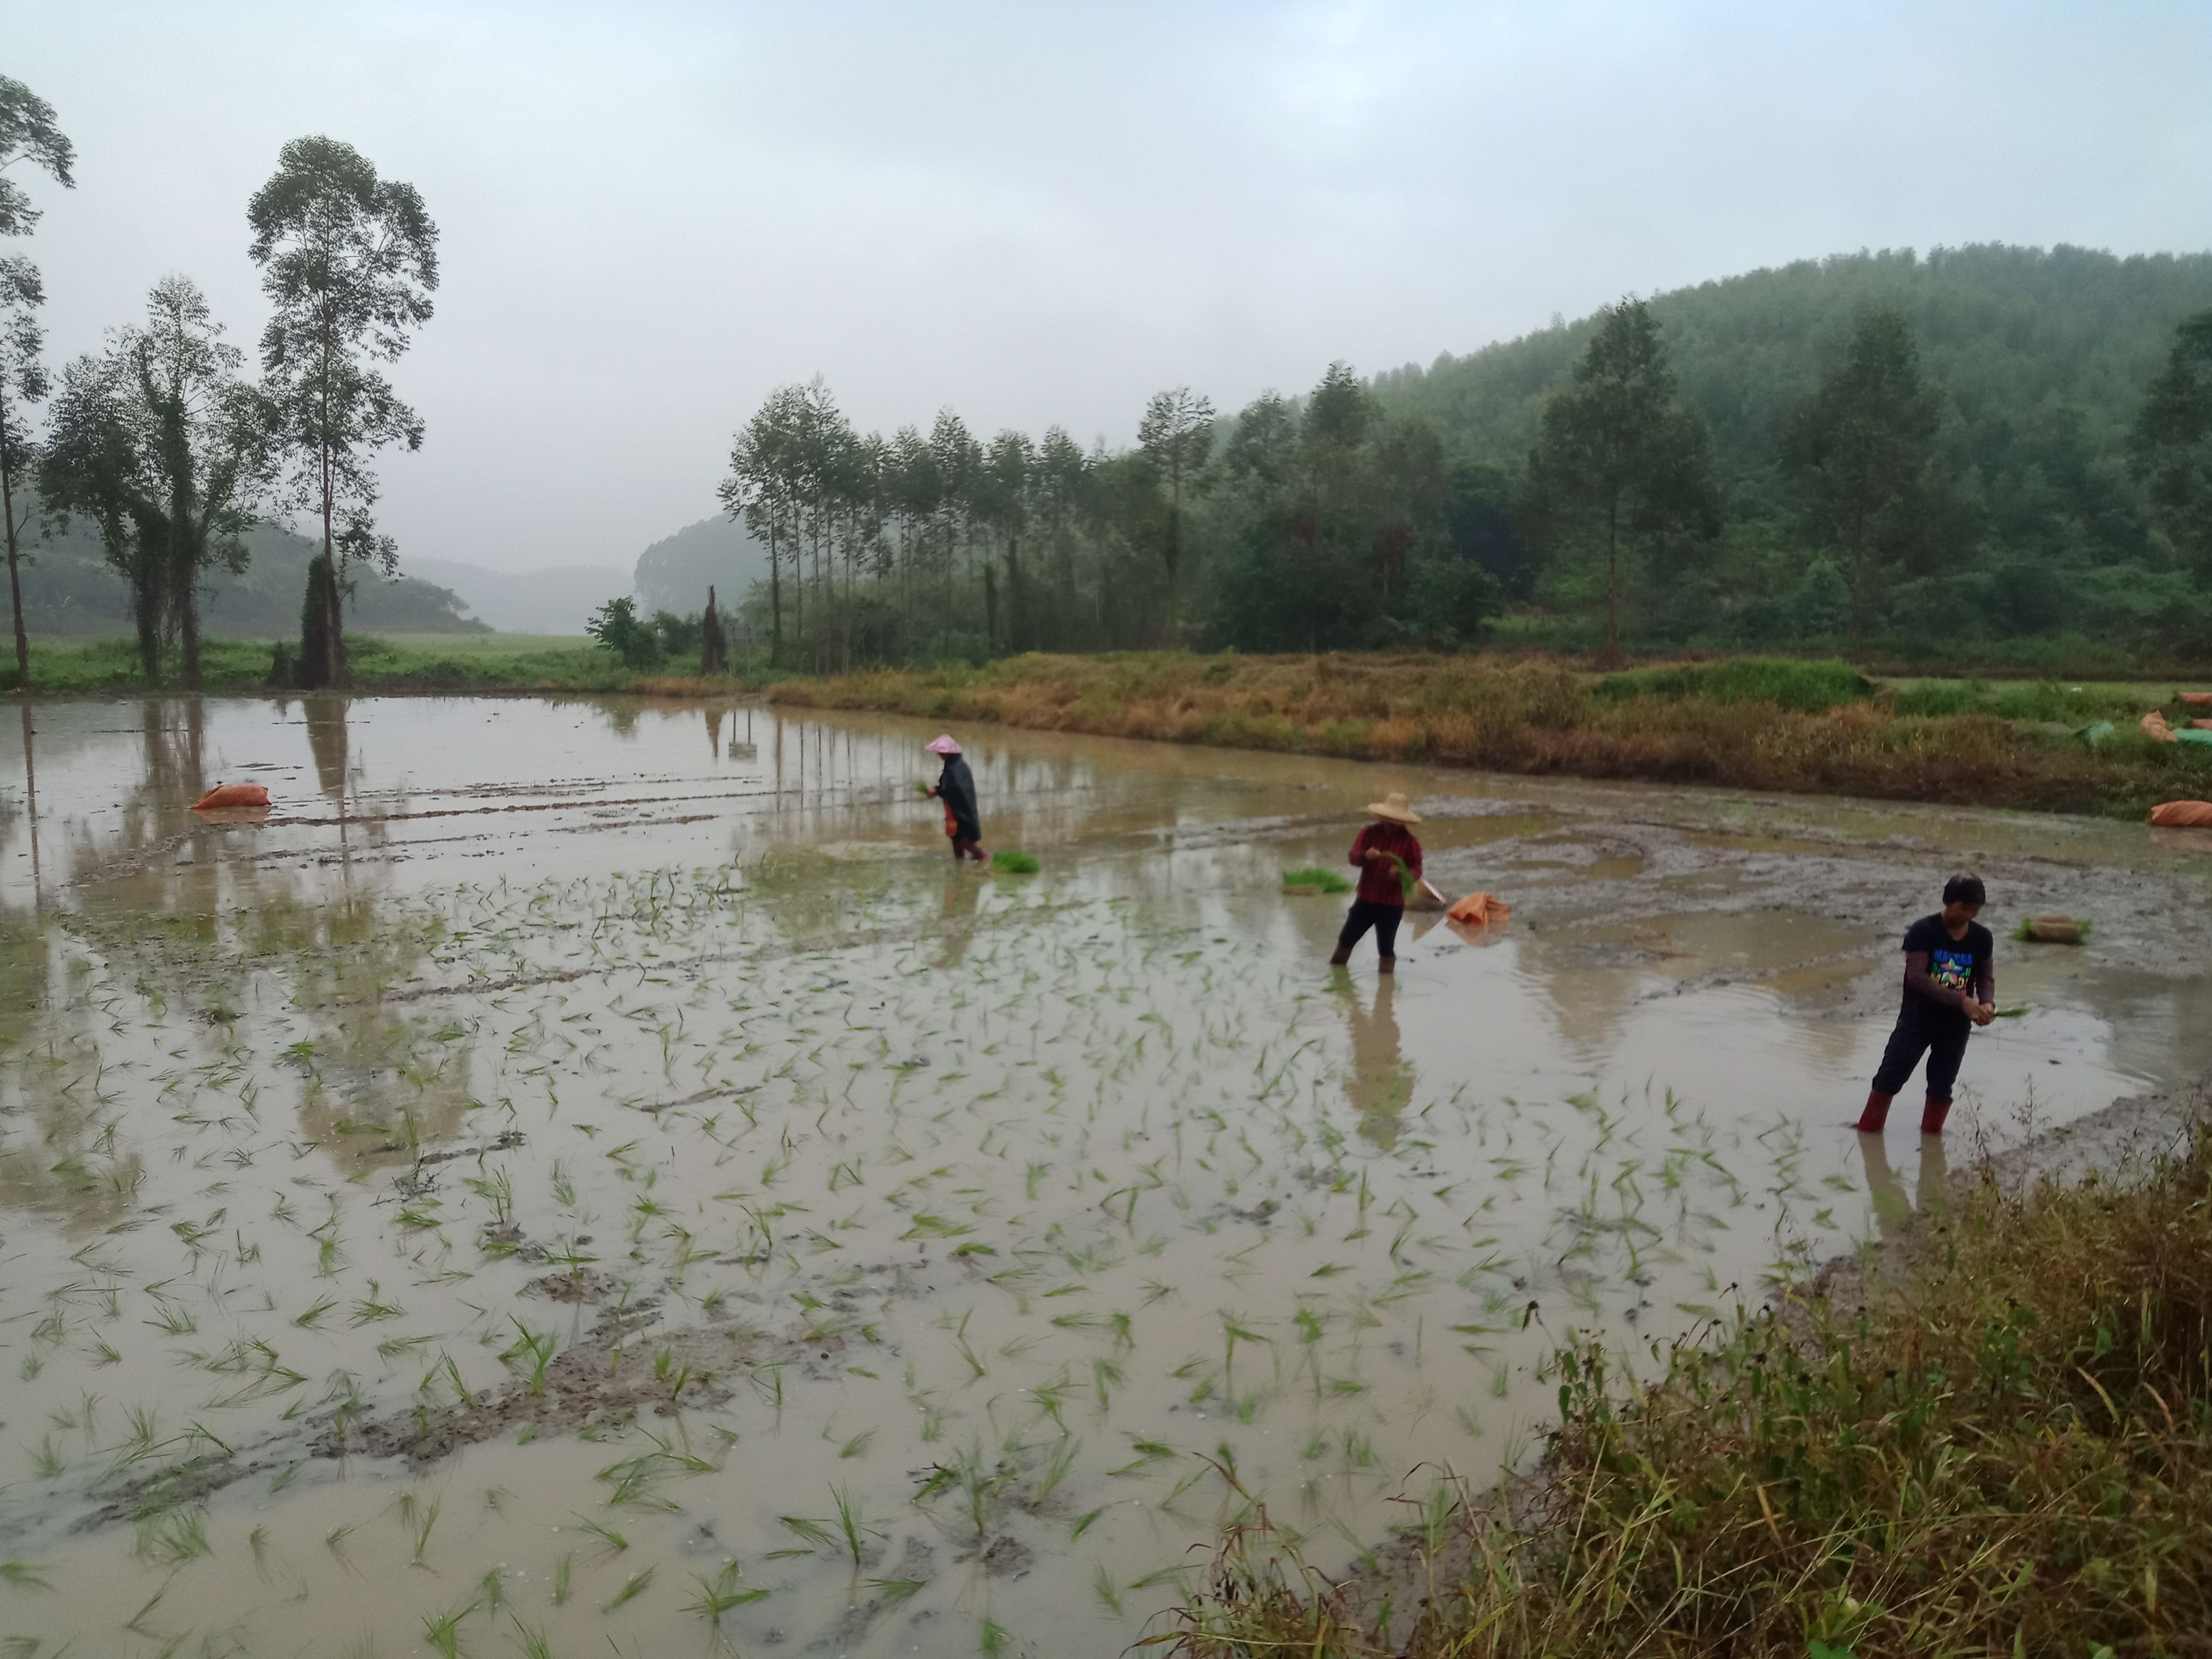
[1949,457]
[2040,361]
[69,588]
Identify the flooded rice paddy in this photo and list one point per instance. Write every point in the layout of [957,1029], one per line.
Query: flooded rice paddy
[594,1176]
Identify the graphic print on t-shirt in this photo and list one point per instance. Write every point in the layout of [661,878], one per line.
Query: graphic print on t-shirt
[1952,970]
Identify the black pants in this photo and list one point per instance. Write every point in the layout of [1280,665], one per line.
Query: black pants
[1944,1043]
[1365,914]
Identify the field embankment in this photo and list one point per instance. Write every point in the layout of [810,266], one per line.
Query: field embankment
[1809,727]
[2002,1443]
[380,664]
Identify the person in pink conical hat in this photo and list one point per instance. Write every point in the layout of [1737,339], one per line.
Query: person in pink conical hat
[956,791]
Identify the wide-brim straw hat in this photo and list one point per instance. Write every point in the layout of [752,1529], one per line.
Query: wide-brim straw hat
[1393,806]
[944,745]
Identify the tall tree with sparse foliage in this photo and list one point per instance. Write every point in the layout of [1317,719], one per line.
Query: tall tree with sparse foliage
[24,383]
[1864,448]
[349,261]
[1619,465]
[1176,435]
[2170,448]
[28,133]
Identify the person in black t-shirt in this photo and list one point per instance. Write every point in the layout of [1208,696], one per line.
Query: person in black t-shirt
[1950,987]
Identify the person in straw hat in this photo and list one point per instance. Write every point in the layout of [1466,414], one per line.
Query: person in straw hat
[956,789]
[1389,863]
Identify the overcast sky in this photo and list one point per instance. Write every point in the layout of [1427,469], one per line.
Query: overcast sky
[1044,211]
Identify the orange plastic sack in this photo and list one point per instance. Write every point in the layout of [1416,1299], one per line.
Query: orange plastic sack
[1480,909]
[2197,699]
[2200,726]
[2155,729]
[232,794]
[2183,815]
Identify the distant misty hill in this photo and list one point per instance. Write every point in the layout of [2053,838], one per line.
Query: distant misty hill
[556,601]
[675,573]
[68,588]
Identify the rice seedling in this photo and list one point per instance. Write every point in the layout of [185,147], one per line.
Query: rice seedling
[442,1631]
[633,1587]
[718,1595]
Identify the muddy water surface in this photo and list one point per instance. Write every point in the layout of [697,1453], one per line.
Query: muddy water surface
[594,1174]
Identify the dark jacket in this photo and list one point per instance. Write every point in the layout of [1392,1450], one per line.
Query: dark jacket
[955,787]
[1378,882]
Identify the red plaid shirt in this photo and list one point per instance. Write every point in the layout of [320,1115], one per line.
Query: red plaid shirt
[1378,882]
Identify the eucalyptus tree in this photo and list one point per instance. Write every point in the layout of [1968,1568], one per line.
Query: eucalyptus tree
[761,489]
[2170,447]
[1864,448]
[29,133]
[958,461]
[1062,475]
[1619,462]
[163,448]
[349,261]
[23,384]
[914,488]
[1177,433]
[1004,484]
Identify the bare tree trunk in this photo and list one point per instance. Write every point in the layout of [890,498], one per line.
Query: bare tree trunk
[774,604]
[14,578]
[1612,583]
[146,603]
[188,634]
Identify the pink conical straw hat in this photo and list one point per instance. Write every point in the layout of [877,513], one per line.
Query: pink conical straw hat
[945,745]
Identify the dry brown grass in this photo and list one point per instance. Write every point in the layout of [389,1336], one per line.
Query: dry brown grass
[1518,715]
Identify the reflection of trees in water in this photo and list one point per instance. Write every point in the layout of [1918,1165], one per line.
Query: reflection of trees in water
[327,742]
[1381,1081]
[370,1063]
[59,1140]
[220,933]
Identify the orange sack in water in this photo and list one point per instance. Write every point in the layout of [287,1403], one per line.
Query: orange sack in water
[2183,815]
[1480,909]
[232,794]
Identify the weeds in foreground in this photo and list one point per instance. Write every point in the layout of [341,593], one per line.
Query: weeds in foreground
[2007,1450]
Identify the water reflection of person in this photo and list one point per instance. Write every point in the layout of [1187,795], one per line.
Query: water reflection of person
[1381,1081]
[963,901]
[1893,1215]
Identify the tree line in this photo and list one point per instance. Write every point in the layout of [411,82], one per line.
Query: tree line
[162,441]
[1337,520]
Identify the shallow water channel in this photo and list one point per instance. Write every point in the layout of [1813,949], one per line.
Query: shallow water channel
[593,1173]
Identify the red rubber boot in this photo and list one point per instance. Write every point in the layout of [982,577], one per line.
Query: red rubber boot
[1876,1114]
[1932,1115]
